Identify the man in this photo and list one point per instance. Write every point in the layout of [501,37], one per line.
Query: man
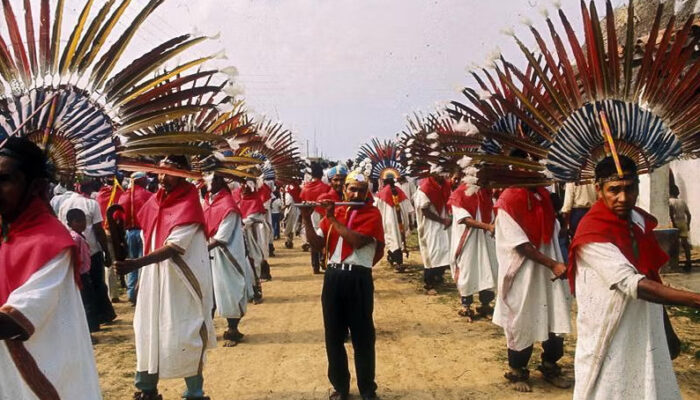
[231,271]
[109,193]
[336,176]
[46,351]
[408,186]
[395,208]
[355,241]
[622,350]
[256,231]
[173,321]
[578,199]
[132,201]
[433,234]
[473,249]
[292,195]
[311,191]
[532,303]
[97,239]
[680,218]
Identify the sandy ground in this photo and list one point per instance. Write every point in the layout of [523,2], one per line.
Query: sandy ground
[424,350]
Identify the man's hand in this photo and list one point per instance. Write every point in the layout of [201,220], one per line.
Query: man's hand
[447,222]
[559,271]
[329,206]
[492,230]
[306,211]
[126,266]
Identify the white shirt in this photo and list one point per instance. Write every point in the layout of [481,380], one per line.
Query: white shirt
[276,206]
[93,216]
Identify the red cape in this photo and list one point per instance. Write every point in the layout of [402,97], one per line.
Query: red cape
[387,196]
[601,225]
[366,220]
[215,212]
[535,217]
[251,204]
[438,194]
[264,192]
[295,191]
[102,198]
[34,239]
[162,213]
[311,192]
[132,201]
[481,200]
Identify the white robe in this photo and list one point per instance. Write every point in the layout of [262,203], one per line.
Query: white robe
[230,269]
[256,237]
[476,268]
[172,321]
[433,237]
[60,344]
[621,349]
[390,220]
[533,306]
[291,216]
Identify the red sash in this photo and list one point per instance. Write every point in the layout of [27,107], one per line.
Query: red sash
[250,204]
[366,220]
[34,239]
[601,225]
[163,212]
[387,195]
[438,194]
[215,212]
[481,200]
[535,217]
[311,192]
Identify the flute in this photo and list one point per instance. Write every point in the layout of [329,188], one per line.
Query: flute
[339,203]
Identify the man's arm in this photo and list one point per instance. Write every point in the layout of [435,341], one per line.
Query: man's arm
[312,237]
[162,254]
[657,293]
[428,212]
[9,329]
[472,223]
[101,237]
[529,251]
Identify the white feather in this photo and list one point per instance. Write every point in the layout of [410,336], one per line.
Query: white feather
[221,55]
[471,171]
[526,21]
[556,4]
[434,154]
[434,145]
[433,136]
[484,95]
[472,189]
[508,31]
[544,11]
[464,162]
[230,71]
[470,180]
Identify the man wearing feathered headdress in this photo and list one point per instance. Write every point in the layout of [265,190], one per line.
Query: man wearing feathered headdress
[173,321]
[353,238]
[311,191]
[292,195]
[622,348]
[395,207]
[231,271]
[46,350]
[256,229]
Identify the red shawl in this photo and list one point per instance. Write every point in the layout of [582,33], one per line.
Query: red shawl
[366,220]
[215,212]
[250,204]
[295,191]
[34,239]
[601,225]
[387,195]
[535,217]
[311,192]
[132,201]
[103,196]
[163,212]
[264,192]
[481,200]
[438,194]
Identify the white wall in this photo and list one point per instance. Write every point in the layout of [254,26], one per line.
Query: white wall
[687,175]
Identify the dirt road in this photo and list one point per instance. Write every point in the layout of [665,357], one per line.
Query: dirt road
[424,350]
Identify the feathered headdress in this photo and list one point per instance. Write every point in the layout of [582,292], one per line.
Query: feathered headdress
[384,158]
[612,97]
[278,152]
[63,92]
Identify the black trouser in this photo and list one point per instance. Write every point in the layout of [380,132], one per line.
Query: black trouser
[553,350]
[87,295]
[103,305]
[395,257]
[348,302]
[316,260]
[485,297]
[432,276]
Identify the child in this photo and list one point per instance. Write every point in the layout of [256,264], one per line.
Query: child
[680,218]
[77,223]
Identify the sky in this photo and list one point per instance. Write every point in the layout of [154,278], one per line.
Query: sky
[338,72]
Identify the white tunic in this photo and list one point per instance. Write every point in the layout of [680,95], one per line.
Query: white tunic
[60,344]
[621,349]
[230,269]
[390,220]
[256,236]
[433,237]
[291,215]
[172,321]
[476,267]
[533,305]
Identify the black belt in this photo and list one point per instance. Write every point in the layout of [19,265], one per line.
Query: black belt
[349,267]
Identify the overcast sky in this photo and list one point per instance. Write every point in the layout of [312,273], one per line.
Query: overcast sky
[343,71]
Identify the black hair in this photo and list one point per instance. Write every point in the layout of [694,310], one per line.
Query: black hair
[674,191]
[519,153]
[389,180]
[316,170]
[74,214]
[606,167]
[179,160]
[31,160]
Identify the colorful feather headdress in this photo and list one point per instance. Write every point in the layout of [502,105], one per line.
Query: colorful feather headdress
[63,92]
[384,158]
[277,151]
[611,97]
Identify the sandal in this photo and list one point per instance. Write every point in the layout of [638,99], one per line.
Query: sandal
[551,373]
[519,379]
[467,313]
[147,396]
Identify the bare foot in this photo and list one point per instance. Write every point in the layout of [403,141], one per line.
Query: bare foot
[431,292]
[522,386]
[558,381]
[230,343]
[466,313]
